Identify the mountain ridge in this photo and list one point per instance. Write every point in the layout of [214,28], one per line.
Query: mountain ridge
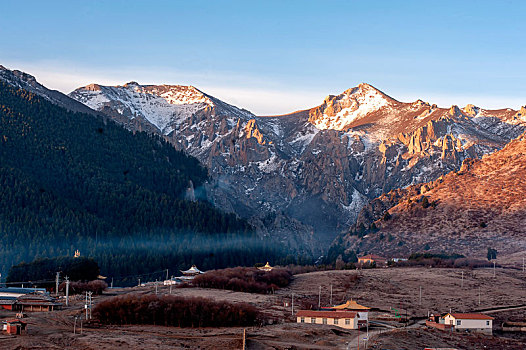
[28,82]
[304,176]
[303,184]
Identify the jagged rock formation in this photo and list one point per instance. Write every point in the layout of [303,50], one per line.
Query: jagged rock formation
[303,177]
[481,206]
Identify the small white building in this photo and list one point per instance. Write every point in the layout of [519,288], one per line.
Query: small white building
[343,319]
[472,322]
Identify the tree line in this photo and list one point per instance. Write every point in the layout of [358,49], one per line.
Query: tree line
[74,181]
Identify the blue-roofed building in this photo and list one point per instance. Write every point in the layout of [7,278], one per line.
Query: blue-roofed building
[16,291]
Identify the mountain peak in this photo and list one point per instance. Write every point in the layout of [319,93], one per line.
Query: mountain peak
[338,112]
[365,88]
[93,87]
[131,83]
[471,110]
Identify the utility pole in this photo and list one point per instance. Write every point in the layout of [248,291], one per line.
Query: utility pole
[139,282]
[244,337]
[170,287]
[494,269]
[86,306]
[462,283]
[155,286]
[111,283]
[479,295]
[56,285]
[90,303]
[75,324]
[420,295]
[319,299]
[166,273]
[67,291]
[330,303]
[292,305]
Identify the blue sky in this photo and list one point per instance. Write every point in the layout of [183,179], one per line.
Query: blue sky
[274,57]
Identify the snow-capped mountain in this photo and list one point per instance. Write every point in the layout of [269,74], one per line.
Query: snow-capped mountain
[166,107]
[305,176]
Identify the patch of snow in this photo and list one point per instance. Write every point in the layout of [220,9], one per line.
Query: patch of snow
[270,165]
[304,139]
[359,104]
[358,200]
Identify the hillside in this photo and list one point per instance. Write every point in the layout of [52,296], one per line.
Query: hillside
[303,177]
[76,181]
[481,206]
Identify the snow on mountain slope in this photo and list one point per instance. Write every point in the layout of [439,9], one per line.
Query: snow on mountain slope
[350,106]
[164,106]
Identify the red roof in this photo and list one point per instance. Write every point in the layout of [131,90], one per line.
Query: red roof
[326,314]
[472,316]
[16,320]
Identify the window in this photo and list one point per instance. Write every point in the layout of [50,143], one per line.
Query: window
[313,320]
[324,321]
[335,321]
[303,320]
[487,323]
[347,321]
[459,322]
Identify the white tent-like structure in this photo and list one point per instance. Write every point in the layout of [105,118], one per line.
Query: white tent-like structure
[193,271]
[189,274]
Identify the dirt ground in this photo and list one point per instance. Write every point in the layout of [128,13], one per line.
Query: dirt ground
[381,289]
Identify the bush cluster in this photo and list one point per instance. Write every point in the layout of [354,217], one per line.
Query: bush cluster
[174,311]
[245,279]
[442,260]
[96,286]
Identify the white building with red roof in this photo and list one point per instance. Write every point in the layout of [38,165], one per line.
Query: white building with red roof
[470,321]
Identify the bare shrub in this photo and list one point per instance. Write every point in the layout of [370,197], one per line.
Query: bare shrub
[174,311]
[245,279]
[79,287]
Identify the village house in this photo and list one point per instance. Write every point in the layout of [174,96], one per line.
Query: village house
[14,326]
[362,312]
[343,319]
[471,322]
[27,299]
[372,258]
[7,303]
[36,302]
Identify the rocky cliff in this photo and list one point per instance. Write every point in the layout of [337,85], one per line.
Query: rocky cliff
[303,177]
[467,211]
